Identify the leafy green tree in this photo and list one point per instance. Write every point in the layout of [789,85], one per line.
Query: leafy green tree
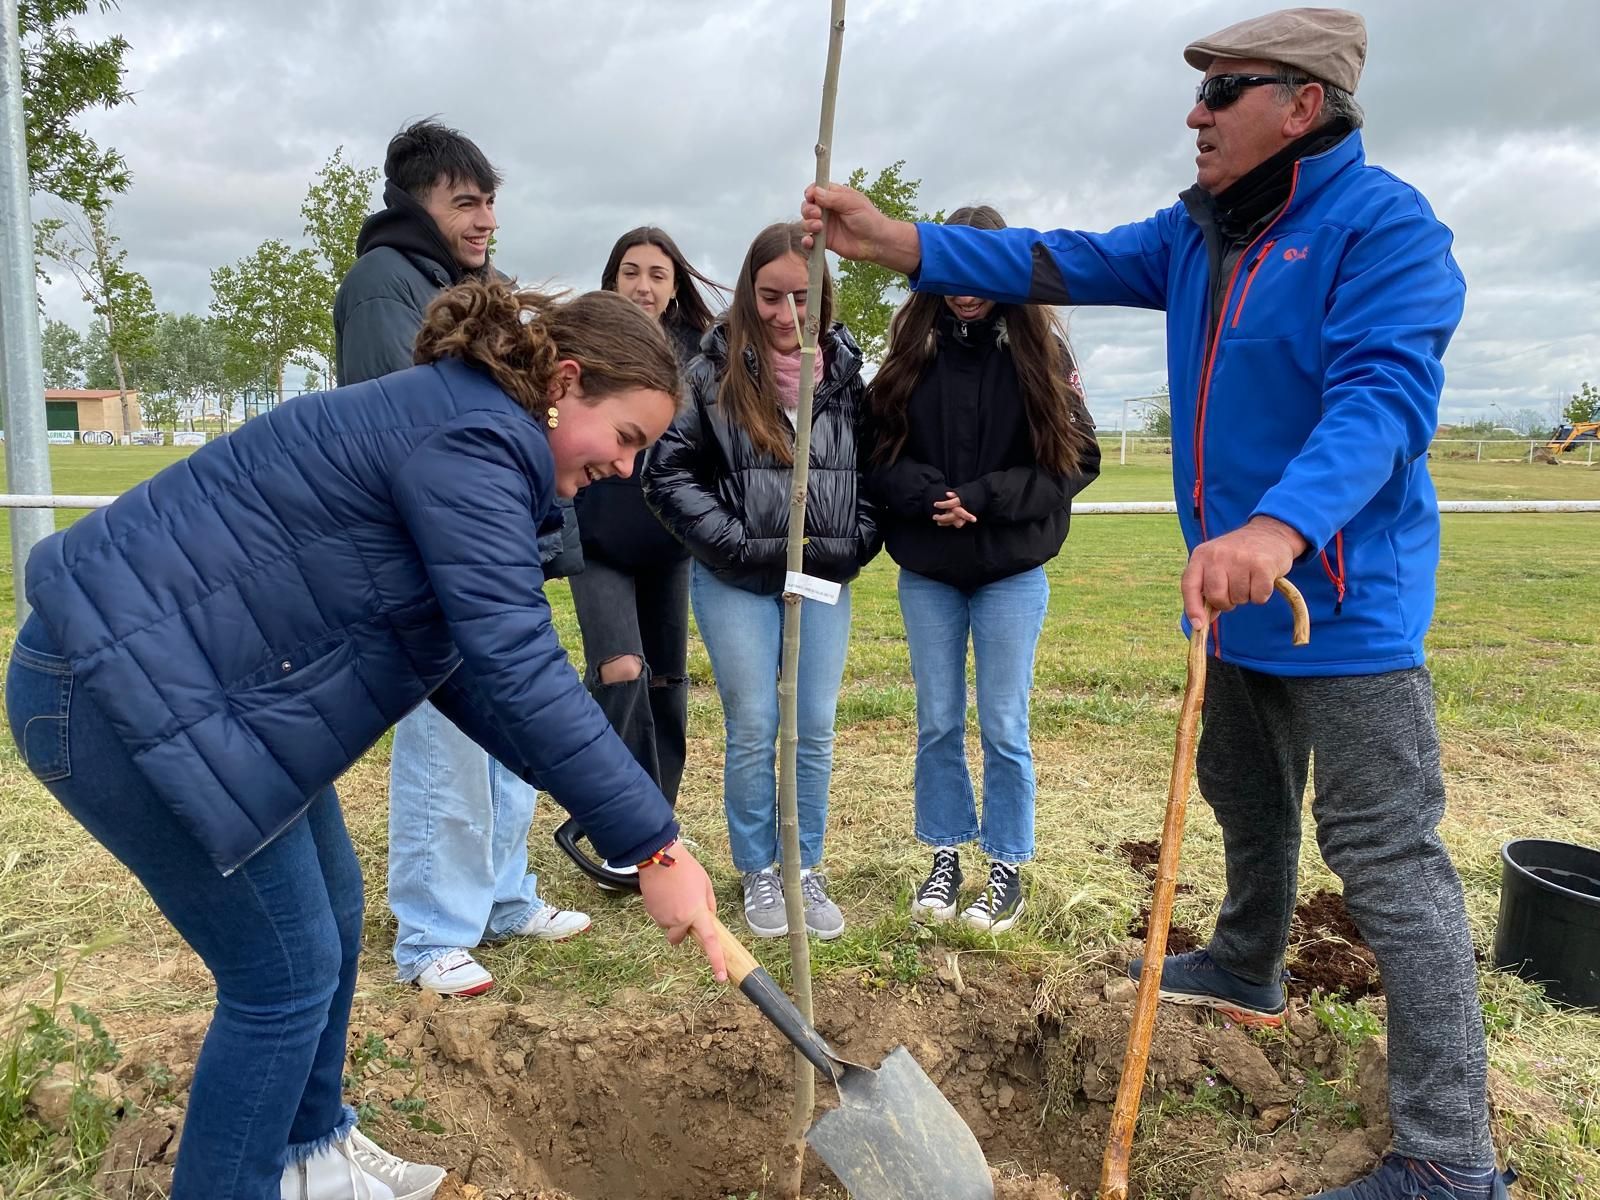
[120,297]
[189,365]
[337,202]
[62,77]
[865,294]
[1585,406]
[63,355]
[269,309]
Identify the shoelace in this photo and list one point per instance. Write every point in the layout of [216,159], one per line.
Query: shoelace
[814,888]
[360,1186]
[992,897]
[942,881]
[455,960]
[376,1161]
[763,891]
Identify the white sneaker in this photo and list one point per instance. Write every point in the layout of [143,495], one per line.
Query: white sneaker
[456,973]
[551,924]
[332,1174]
[408,1181]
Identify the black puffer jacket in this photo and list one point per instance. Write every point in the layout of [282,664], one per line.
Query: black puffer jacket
[968,434]
[730,504]
[617,526]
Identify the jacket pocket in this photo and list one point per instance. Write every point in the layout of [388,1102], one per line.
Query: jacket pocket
[39,697]
[292,676]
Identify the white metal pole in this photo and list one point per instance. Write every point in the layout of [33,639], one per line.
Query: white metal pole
[21,360]
[1124,433]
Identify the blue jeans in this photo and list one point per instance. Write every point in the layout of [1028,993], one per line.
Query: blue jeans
[1004,619]
[743,633]
[281,935]
[458,843]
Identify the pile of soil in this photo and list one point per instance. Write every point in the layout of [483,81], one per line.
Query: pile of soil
[1327,953]
[1143,857]
[619,1105]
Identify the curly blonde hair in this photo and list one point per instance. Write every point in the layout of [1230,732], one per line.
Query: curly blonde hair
[519,337]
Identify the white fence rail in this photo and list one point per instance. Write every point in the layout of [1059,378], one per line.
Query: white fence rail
[1122,508]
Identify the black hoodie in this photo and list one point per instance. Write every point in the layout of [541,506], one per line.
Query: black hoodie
[969,434]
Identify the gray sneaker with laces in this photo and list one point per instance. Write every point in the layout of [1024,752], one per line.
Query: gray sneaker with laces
[823,918]
[763,903]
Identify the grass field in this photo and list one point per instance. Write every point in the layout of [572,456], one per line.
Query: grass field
[1516,662]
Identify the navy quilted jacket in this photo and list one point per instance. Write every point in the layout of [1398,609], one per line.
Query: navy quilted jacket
[253,618]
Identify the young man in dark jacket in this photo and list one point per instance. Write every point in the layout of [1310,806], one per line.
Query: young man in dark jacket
[1309,301]
[458,820]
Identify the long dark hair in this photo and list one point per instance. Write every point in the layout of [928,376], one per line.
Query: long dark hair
[1057,419]
[752,403]
[688,312]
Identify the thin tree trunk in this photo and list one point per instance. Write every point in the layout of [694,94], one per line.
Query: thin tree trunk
[805,1091]
[97,231]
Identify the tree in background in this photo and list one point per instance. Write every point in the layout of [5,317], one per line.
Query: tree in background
[1529,422]
[61,78]
[189,365]
[862,289]
[1585,406]
[120,297]
[63,355]
[337,202]
[269,308]
[1158,416]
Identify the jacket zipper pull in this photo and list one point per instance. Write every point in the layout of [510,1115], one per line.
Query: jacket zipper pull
[1196,499]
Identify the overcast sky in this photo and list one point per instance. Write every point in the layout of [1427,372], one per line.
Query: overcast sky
[700,115]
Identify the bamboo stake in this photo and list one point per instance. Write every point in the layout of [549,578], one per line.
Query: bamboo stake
[805,1089]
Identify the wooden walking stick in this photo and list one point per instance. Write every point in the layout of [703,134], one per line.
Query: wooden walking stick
[805,1081]
[1119,1142]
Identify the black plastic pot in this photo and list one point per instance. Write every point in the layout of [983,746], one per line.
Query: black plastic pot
[1549,928]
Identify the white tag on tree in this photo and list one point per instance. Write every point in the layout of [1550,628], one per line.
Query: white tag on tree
[811,587]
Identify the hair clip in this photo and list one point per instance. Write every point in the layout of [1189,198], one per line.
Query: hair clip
[527,316]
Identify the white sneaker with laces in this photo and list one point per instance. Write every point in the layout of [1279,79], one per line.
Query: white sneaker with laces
[407,1180]
[551,924]
[333,1174]
[456,973]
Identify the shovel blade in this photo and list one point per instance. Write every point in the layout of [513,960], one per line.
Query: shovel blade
[894,1136]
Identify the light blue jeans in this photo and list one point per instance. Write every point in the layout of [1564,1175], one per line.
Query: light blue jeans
[1004,619]
[458,843]
[743,633]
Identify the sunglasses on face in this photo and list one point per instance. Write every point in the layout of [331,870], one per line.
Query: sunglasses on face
[1220,91]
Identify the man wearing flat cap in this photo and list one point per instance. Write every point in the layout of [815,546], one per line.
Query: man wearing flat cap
[1309,300]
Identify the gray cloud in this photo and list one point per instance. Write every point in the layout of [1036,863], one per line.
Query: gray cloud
[700,116]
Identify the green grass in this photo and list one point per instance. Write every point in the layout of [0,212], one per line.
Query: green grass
[1515,663]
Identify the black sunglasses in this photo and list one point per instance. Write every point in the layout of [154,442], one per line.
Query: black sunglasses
[1220,91]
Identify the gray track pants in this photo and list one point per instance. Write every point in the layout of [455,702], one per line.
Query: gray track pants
[1378,800]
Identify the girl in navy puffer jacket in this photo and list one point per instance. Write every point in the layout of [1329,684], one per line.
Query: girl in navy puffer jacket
[210,652]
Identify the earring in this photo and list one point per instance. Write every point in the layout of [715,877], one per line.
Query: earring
[552,416]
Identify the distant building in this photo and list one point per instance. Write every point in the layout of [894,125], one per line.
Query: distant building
[81,409]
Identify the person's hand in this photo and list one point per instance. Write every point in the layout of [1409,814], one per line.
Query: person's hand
[857,230]
[680,899]
[950,514]
[1239,568]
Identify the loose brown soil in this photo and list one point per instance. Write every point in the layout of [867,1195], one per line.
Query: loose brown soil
[614,1105]
[1327,952]
[1143,857]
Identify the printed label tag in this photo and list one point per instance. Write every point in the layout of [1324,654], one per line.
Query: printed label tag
[811,587]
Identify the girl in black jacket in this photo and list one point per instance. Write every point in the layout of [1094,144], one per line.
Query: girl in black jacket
[720,479]
[980,441]
[632,598]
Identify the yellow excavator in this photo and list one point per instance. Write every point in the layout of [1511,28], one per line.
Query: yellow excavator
[1568,436]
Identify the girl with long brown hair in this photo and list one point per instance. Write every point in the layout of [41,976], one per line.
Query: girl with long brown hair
[980,440]
[721,479]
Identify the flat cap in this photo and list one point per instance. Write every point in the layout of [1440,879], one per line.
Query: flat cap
[1329,44]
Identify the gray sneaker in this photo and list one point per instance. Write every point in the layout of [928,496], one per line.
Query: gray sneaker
[823,918]
[763,903]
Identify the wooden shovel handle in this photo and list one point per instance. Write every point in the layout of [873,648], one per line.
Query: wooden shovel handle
[1119,1142]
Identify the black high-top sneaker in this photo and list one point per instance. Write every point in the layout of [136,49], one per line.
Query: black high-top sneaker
[936,898]
[1000,903]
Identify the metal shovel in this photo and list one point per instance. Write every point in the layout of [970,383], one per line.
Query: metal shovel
[894,1136]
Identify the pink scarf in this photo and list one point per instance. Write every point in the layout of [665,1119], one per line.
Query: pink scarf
[786,375]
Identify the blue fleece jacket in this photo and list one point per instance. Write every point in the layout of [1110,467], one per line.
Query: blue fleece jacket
[1312,399]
